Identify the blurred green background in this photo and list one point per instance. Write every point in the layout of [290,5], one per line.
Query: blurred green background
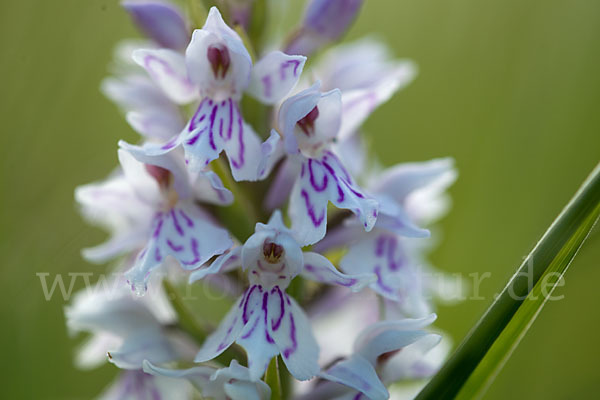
[509,88]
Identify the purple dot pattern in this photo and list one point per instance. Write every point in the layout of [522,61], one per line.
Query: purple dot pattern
[183,234]
[326,180]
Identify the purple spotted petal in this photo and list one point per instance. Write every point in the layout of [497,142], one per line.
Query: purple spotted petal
[183,233]
[229,329]
[323,180]
[290,329]
[255,337]
[162,22]
[168,70]
[399,279]
[320,269]
[274,76]
[379,253]
[218,126]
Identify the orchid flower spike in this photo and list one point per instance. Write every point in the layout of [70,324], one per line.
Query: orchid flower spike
[217,70]
[266,321]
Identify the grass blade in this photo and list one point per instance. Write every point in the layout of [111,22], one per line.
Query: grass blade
[489,344]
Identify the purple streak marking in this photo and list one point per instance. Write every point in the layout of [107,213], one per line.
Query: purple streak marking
[312,177]
[287,64]
[210,130]
[230,128]
[310,210]
[158,226]
[187,219]
[170,144]
[288,352]
[245,317]
[151,59]
[380,283]
[265,310]
[266,80]
[195,120]
[195,252]
[176,222]
[237,164]
[173,246]
[223,345]
[191,141]
[275,325]
[251,331]
[392,246]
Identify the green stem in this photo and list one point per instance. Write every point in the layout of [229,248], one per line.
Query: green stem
[240,216]
[273,379]
[187,321]
[567,233]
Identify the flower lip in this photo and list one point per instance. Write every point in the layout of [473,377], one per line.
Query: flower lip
[219,59]
[307,123]
[272,252]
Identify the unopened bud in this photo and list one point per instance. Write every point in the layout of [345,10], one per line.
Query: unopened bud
[325,21]
[161,22]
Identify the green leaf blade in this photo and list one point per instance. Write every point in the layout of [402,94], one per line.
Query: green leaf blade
[487,347]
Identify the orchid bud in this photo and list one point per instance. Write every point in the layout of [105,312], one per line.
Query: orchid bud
[325,21]
[161,22]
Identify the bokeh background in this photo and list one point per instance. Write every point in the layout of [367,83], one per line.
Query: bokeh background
[509,88]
